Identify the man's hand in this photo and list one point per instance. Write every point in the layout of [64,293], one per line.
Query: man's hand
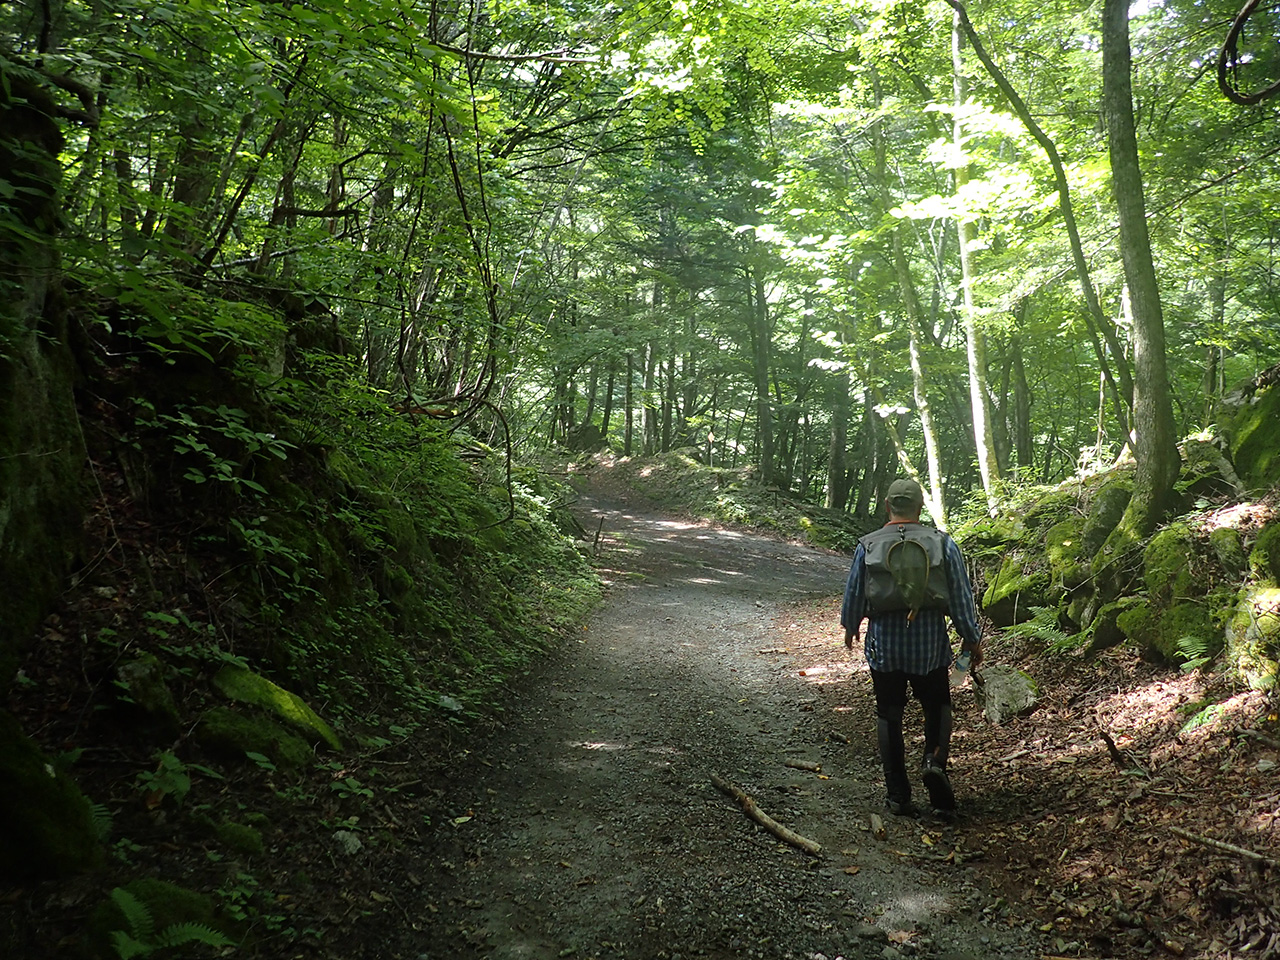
[848,638]
[975,655]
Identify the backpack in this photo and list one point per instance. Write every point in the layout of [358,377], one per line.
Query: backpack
[906,569]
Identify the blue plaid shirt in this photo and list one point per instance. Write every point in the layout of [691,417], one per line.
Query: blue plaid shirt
[921,646]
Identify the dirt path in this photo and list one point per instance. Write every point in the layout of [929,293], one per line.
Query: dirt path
[592,829]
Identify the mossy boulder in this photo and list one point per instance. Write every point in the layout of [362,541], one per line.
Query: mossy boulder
[1107,631]
[143,686]
[160,908]
[231,734]
[1264,558]
[239,837]
[1105,513]
[245,686]
[1228,548]
[1254,432]
[1013,592]
[1253,637]
[48,829]
[1166,566]
[1187,631]
[1051,509]
[1064,546]
[1138,622]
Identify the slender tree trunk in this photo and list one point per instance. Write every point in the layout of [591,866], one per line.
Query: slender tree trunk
[761,337]
[1023,445]
[650,432]
[607,414]
[934,495]
[629,403]
[837,469]
[988,467]
[1155,444]
[1096,321]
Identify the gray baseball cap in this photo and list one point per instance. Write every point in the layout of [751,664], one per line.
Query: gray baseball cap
[905,491]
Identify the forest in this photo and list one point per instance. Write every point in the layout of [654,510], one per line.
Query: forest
[298,300]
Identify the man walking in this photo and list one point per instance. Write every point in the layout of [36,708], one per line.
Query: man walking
[906,578]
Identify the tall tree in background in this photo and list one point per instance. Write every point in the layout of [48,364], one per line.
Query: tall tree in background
[975,339]
[1155,441]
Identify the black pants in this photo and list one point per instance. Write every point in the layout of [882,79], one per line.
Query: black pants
[933,690]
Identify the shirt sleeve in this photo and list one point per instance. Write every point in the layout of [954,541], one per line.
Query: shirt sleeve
[964,612]
[854,610]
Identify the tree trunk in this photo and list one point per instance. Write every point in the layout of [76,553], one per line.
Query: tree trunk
[760,352]
[933,491]
[837,470]
[1096,321]
[988,467]
[629,403]
[1155,443]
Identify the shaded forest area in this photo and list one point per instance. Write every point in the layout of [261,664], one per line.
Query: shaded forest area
[296,297]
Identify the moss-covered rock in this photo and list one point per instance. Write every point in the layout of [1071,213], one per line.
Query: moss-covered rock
[1138,622]
[239,837]
[231,734]
[239,683]
[1187,632]
[47,824]
[1253,637]
[1013,591]
[1166,566]
[1107,631]
[1228,548]
[1064,547]
[1264,558]
[1105,512]
[143,684]
[1254,432]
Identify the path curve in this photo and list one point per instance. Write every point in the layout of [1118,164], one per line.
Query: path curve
[591,828]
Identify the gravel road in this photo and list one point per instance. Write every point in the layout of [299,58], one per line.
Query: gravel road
[588,826]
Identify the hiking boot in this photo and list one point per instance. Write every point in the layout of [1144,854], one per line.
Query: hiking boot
[901,808]
[941,796]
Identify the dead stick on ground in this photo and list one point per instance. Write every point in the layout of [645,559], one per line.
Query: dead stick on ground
[1260,737]
[759,816]
[1219,845]
[803,765]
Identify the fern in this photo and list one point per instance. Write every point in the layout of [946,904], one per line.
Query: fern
[1204,717]
[175,935]
[1043,626]
[102,820]
[1195,652]
[141,939]
[137,916]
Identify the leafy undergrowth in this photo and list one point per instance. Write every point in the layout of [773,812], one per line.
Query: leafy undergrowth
[1116,853]
[734,497]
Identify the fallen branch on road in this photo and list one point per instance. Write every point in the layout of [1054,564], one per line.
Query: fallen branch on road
[1219,845]
[759,816]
